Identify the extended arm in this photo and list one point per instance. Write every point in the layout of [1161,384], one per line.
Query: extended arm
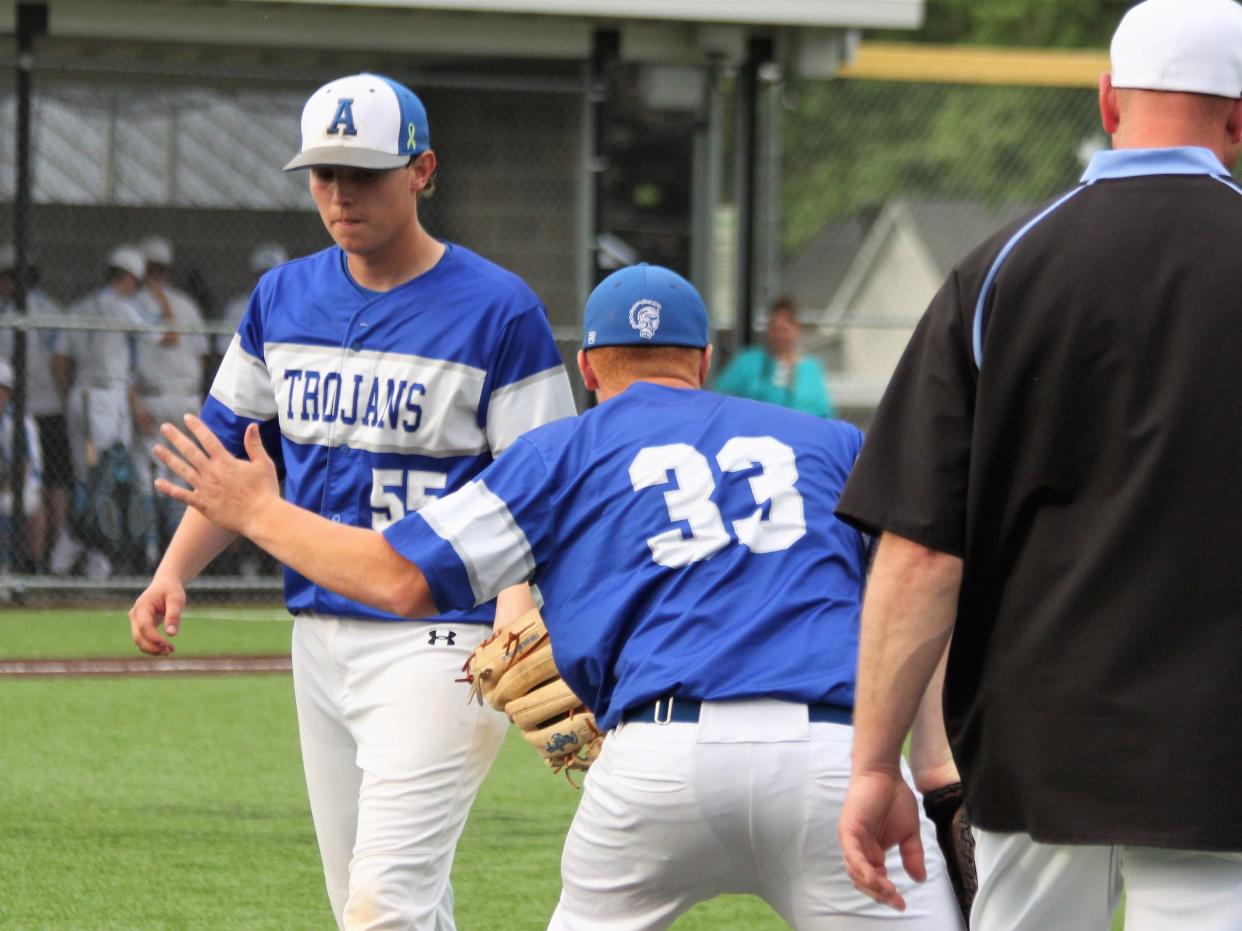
[243,496]
[907,620]
[351,561]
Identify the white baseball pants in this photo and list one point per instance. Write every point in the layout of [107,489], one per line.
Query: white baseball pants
[394,756]
[747,800]
[1028,886]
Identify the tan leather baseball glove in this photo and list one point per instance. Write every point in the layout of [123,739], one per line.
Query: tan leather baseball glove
[513,671]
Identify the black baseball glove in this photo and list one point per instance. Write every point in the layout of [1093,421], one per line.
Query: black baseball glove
[946,807]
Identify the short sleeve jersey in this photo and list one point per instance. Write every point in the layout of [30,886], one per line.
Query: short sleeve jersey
[174,368]
[105,357]
[1065,418]
[684,544]
[373,404]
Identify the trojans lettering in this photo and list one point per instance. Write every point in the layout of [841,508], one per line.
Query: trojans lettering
[383,402]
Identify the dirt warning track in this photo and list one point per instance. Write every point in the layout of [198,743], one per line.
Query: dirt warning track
[144,666]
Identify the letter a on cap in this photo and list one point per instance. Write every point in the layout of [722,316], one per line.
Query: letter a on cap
[344,114]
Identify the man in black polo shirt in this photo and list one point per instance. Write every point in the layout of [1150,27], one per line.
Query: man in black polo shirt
[1054,471]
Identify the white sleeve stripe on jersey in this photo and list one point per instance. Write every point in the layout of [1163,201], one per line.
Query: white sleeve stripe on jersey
[485,537]
[538,399]
[243,384]
[522,383]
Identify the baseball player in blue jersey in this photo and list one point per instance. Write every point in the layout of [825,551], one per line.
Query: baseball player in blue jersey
[380,374]
[701,599]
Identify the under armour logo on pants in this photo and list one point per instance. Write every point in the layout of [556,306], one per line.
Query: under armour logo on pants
[434,636]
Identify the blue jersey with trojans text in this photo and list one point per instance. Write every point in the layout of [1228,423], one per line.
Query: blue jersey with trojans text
[374,403]
[684,544]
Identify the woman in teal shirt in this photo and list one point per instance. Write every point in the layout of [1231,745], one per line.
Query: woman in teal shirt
[776,372]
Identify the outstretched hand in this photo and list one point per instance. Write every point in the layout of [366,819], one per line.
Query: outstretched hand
[880,811]
[228,491]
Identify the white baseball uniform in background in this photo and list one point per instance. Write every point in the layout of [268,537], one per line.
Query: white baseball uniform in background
[105,362]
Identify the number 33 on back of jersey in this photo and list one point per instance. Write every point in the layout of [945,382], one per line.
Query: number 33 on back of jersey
[690,500]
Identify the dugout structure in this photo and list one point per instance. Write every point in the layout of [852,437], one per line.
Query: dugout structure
[147,117]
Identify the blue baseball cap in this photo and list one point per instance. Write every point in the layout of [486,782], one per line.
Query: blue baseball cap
[645,305]
[362,121]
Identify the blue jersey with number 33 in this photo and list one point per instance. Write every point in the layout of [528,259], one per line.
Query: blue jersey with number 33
[373,403]
[684,543]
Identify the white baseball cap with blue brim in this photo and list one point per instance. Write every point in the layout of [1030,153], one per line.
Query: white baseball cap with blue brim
[645,305]
[1185,46]
[362,121]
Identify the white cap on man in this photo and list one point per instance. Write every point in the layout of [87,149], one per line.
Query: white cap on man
[157,249]
[6,374]
[1186,46]
[128,259]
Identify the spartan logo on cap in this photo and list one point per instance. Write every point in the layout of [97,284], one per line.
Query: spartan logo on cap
[645,317]
[343,119]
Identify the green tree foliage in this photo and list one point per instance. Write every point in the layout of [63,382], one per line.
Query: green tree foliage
[851,145]
[1038,23]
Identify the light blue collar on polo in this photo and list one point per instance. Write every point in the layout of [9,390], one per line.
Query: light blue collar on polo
[1131,163]
[1108,165]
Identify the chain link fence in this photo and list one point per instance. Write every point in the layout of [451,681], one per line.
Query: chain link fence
[886,184]
[177,169]
[876,189]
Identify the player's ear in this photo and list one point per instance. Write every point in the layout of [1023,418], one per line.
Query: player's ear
[1110,115]
[589,378]
[1234,126]
[422,170]
[705,365]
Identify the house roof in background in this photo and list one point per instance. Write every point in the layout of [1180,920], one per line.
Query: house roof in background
[951,228]
[947,229]
[813,276]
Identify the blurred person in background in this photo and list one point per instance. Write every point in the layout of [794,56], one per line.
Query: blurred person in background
[170,376]
[47,383]
[100,403]
[263,258]
[777,372]
[29,539]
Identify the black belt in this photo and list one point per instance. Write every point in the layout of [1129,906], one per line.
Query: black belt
[670,710]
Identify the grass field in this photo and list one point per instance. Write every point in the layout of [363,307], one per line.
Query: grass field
[144,803]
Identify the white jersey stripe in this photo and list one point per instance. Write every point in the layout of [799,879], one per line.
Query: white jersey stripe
[526,404]
[485,537]
[243,384]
